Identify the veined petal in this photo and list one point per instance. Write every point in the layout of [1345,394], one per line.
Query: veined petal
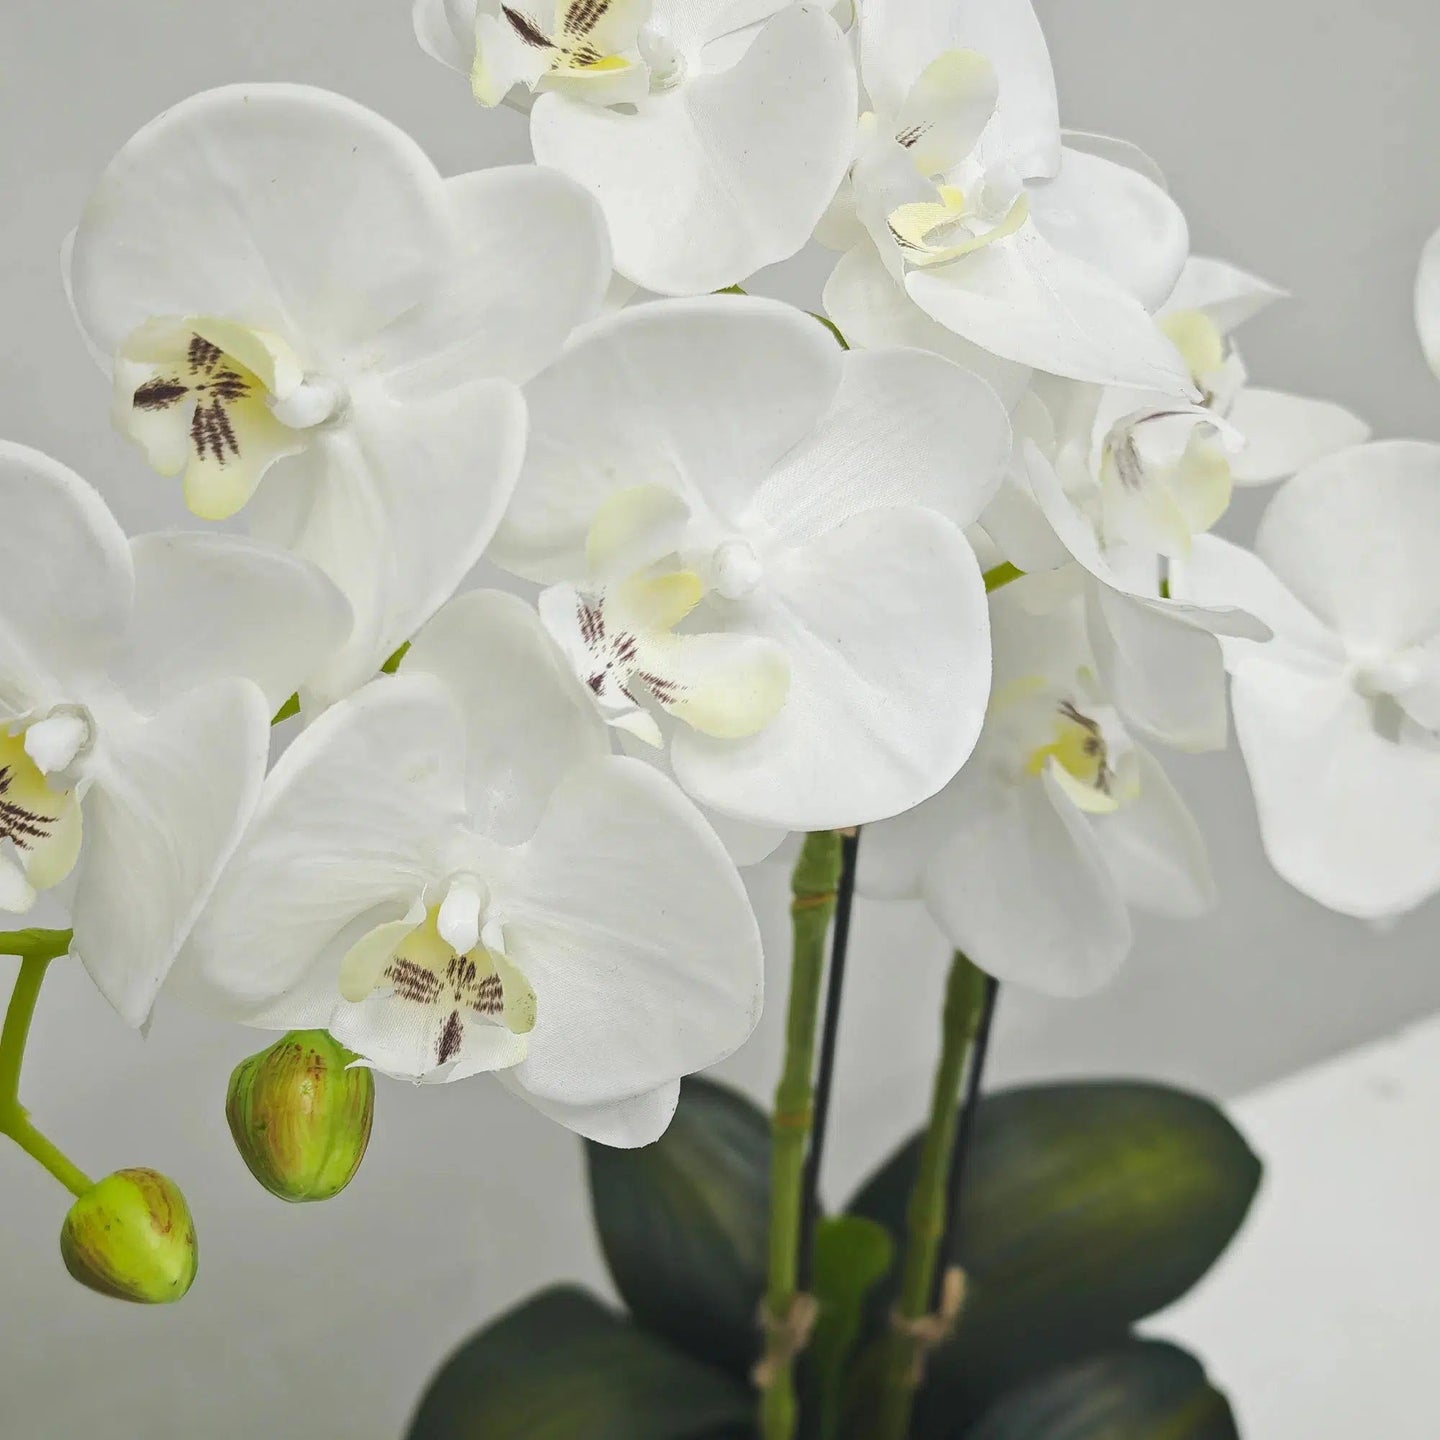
[1033,304]
[905,428]
[1285,433]
[900,38]
[210,606]
[168,800]
[66,579]
[633,927]
[947,110]
[531,262]
[1116,220]
[728,686]
[700,397]
[345,831]
[1354,537]
[873,310]
[282,207]
[702,185]
[889,678]
[527,718]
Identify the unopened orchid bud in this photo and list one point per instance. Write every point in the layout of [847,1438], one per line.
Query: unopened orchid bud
[131,1236]
[300,1116]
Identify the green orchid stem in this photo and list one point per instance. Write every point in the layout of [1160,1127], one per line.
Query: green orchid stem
[14,1121]
[1001,575]
[787,1312]
[915,1324]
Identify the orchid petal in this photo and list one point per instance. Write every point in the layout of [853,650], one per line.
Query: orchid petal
[344,831]
[633,927]
[168,800]
[527,718]
[1353,536]
[889,680]
[700,397]
[1033,304]
[281,206]
[701,185]
[1116,220]
[209,606]
[1285,433]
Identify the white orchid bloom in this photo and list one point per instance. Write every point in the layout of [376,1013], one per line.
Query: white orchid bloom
[1157,657]
[966,201]
[754,546]
[305,320]
[449,872]
[1338,716]
[137,681]
[713,134]
[1031,857]
[1282,433]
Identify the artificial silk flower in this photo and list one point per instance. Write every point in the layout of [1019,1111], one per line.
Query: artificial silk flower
[1158,657]
[965,200]
[1030,859]
[1338,717]
[753,547]
[1282,433]
[713,134]
[309,324]
[449,872]
[137,679]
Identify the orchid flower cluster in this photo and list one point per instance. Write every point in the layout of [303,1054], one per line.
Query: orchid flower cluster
[948,579]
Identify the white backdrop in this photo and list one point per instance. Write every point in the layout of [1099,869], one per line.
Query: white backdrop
[1300,140]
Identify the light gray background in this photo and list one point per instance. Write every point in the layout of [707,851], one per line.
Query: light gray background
[1301,141]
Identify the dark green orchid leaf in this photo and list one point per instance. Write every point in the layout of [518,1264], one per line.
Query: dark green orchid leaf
[1087,1207]
[564,1367]
[1140,1390]
[852,1256]
[683,1224]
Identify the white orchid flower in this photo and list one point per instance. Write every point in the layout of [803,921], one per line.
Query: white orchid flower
[754,547]
[1030,859]
[305,320]
[449,872]
[966,201]
[1338,716]
[1282,433]
[1157,657]
[137,681]
[713,134]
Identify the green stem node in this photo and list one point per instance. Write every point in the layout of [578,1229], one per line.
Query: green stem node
[789,1314]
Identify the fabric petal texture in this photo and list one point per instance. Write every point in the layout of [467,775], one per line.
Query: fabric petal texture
[633,927]
[704,184]
[168,800]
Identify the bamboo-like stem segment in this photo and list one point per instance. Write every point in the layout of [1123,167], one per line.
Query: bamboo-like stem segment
[917,1325]
[14,1121]
[788,1313]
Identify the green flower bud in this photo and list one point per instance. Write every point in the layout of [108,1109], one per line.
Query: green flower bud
[131,1236]
[300,1118]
